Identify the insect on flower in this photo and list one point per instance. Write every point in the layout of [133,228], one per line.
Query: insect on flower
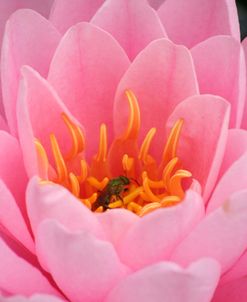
[114,188]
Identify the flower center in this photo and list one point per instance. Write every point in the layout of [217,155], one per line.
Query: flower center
[141,185]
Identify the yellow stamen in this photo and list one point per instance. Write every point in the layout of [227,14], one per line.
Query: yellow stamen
[43,162]
[168,171]
[134,207]
[172,142]
[75,186]
[128,163]
[134,117]
[99,185]
[146,145]
[169,200]
[175,183]
[99,209]
[130,197]
[62,172]
[102,153]
[149,208]
[147,190]
[84,171]
[78,141]
[115,204]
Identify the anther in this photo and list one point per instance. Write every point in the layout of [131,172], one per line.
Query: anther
[84,171]
[62,173]
[166,175]
[99,185]
[147,190]
[128,163]
[149,208]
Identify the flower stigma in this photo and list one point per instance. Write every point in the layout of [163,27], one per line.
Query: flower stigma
[140,186]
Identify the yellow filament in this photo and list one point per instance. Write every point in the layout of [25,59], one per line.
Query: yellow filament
[169,200]
[42,159]
[170,149]
[168,171]
[99,209]
[115,204]
[175,183]
[74,149]
[102,153]
[149,208]
[62,172]
[134,116]
[134,207]
[75,186]
[127,162]
[131,196]
[84,171]
[99,185]
[152,197]
[146,145]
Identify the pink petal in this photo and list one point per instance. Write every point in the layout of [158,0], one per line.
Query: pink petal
[11,218]
[236,146]
[39,113]
[133,23]
[234,291]
[203,139]
[85,80]
[167,281]
[244,121]
[66,13]
[84,268]
[12,170]
[34,298]
[221,235]
[154,237]
[235,179]
[238,270]
[189,22]
[161,76]
[116,223]
[35,41]
[48,200]
[228,79]
[20,277]
[3,124]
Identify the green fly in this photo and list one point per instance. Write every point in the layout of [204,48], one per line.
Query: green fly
[114,188]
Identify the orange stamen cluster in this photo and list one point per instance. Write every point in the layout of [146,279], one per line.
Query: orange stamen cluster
[151,186]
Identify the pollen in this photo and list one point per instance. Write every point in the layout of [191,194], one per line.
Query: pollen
[118,175]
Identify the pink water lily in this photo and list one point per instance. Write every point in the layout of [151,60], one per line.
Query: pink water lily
[123,152]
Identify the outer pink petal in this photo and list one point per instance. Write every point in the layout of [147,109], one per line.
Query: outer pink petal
[29,39]
[83,267]
[154,237]
[11,218]
[39,113]
[238,270]
[34,298]
[236,146]
[47,200]
[244,121]
[161,76]
[235,179]
[189,22]
[221,235]
[228,79]
[66,13]
[116,223]
[12,170]
[85,71]
[20,277]
[203,139]
[133,23]
[234,291]
[166,281]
